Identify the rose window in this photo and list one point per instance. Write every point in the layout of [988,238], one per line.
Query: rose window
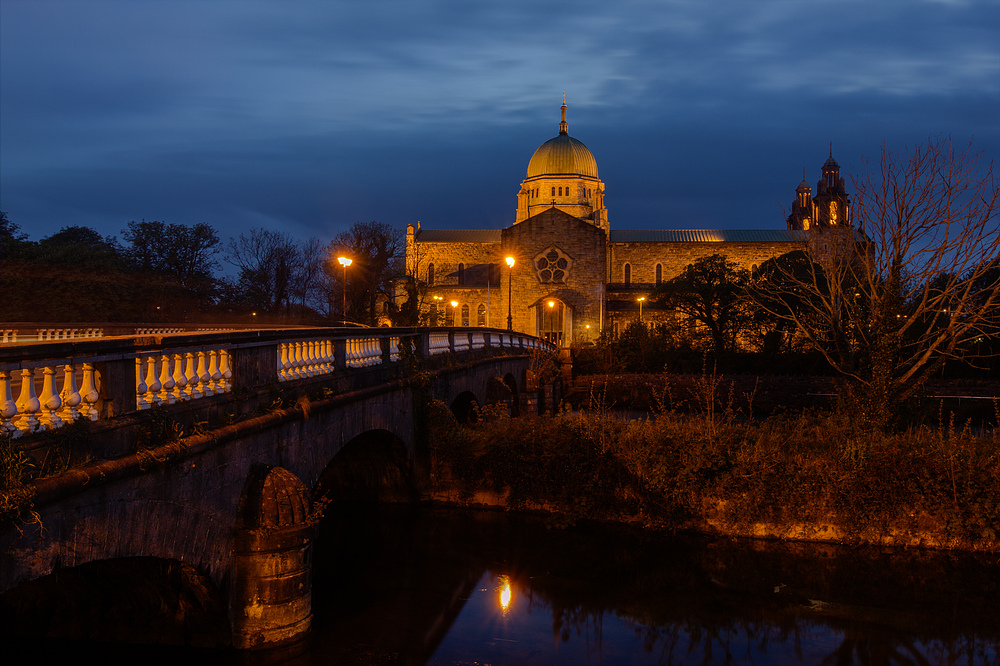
[552,265]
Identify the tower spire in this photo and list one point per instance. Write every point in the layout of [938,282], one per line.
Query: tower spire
[563,125]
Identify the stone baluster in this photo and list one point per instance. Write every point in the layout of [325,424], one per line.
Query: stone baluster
[89,393]
[301,356]
[192,391]
[214,375]
[153,384]
[374,352]
[331,356]
[180,379]
[321,360]
[8,408]
[394,349]
[293,369]
[166,394]
[283,362]
[71,397]
[320,354]
[308,363]
[315,364]
[227,372]
[141,387]
[50,401]
[356,353]
[27,403]
[203,377]
[300,370]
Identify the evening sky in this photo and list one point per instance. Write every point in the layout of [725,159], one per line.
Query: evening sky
[307,117]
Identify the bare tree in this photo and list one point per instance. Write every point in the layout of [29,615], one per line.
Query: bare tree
[267,261]
[376,251]
[888,308]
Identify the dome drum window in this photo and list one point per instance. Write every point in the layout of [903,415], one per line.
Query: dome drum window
[552,265]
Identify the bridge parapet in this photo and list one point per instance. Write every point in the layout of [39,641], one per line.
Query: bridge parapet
[65,380]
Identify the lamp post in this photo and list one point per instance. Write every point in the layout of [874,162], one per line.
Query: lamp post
[640,299]
[436,305]
[551,332]
[345,262]
[454,312]
[510,272]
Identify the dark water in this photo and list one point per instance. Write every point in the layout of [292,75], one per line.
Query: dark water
[426,587]
[396,585]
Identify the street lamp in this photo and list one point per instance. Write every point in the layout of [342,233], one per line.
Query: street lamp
[436,298]
[640,299]
[510,272]
[551,332]
[454,312]
[345,262]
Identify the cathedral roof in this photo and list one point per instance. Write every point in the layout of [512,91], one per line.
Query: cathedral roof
[458,236]
[707,236]
[562,155]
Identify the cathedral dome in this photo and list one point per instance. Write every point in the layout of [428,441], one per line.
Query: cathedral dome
[562,155]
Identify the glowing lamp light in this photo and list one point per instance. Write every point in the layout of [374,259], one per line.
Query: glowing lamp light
[510,262]
[504,593]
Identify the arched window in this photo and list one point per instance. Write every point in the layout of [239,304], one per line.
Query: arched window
[461,274]
[430,275]
[449,315]
[432,315]
[628,273]
[481,315]
[560,191]
[659,273]
[553,191]
[465,315]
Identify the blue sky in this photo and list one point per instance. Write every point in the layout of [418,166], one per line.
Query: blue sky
[310,116]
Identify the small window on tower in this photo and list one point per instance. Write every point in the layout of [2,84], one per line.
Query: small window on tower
[560,191]
[628,273]
[430,275]
[659,273]
[553,191]
[461,274]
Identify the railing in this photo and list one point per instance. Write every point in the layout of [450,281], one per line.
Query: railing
[57,383]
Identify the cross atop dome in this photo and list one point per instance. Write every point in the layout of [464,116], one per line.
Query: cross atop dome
[563,125]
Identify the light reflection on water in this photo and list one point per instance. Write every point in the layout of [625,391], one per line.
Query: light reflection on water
[524,631]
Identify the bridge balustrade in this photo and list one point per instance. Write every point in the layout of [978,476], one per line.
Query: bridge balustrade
[102,378]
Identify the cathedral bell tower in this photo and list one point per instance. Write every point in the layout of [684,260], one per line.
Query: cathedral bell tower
[831,207]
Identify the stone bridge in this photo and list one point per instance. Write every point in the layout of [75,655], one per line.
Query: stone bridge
[218,449]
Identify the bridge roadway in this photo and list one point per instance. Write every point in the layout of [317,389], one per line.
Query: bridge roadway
[238,499]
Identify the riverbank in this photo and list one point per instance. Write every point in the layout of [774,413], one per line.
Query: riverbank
[807,477]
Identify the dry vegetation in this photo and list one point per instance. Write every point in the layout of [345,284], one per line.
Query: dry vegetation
[786,476]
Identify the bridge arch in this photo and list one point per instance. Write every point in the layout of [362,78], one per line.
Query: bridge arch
[374,466]
[466,407]
[120,600]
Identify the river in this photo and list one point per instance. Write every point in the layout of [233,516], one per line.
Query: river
[405,585]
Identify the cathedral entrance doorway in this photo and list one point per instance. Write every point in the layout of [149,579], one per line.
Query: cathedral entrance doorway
[552,317]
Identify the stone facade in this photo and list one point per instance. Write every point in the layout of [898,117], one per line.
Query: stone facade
[573,275]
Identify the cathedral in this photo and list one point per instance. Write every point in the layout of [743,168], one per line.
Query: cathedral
[562,273]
